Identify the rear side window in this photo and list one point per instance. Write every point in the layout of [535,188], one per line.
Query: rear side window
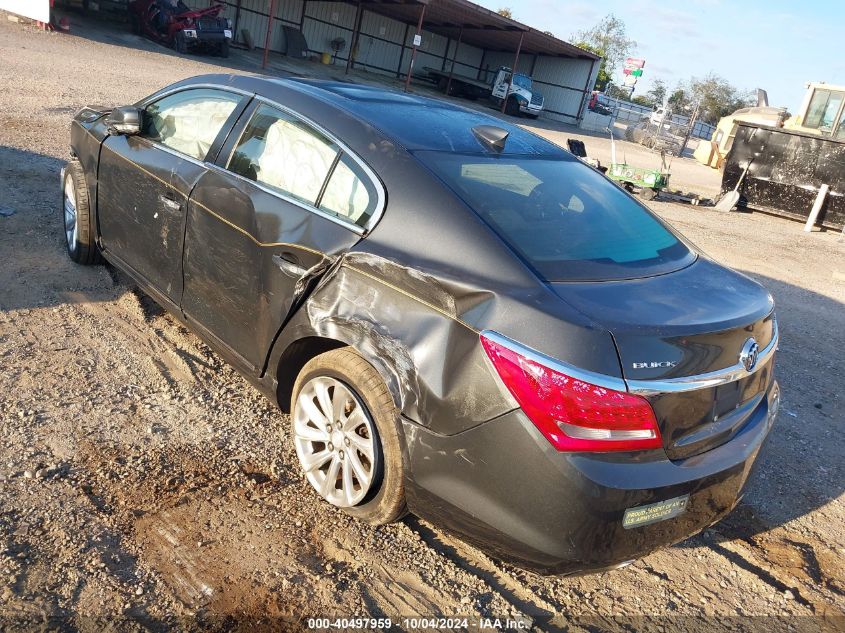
[562,217]
[284,153]
[349,194]
[190,120]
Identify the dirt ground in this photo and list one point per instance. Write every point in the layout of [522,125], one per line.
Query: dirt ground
[144,484]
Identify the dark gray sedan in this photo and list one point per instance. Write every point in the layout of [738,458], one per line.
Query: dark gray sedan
[463,320]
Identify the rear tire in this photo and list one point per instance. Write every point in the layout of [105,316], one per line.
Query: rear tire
[79,221]
[647,193]
[134,24]
[343,372]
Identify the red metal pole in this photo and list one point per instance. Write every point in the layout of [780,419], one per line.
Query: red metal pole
[414,49]
[454,59]
[270,19]
[513,71]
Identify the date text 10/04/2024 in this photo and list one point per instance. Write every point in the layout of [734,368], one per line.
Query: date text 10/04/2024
[421,623]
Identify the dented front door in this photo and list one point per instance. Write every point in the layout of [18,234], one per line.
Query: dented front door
[141,206]
[145,180]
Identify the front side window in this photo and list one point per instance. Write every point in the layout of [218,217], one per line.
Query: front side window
[189,121]
[562,217]
[284,153]
[523,81]
[823,108]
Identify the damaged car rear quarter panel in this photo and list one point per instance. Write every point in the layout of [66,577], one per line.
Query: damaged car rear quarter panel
[408,339]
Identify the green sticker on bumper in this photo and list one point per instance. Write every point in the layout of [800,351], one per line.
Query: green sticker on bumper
[654,512]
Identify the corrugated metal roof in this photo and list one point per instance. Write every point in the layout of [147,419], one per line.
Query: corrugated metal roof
[481,27]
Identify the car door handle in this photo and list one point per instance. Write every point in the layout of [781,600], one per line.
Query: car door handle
[170,201]
[289,265]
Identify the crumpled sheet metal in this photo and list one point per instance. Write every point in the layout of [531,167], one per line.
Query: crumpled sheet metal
[409,326]
[421,331]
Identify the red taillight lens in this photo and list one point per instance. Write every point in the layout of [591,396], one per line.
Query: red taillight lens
[574,415]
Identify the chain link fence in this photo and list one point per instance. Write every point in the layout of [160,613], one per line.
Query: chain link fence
[644,126]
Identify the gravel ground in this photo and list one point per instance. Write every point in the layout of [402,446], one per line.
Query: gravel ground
[144,483]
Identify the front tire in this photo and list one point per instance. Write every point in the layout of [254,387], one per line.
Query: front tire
[345,430]
[180,43]
[224,49]
[79,222]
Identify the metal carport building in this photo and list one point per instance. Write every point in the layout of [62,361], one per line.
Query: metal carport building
[456,35]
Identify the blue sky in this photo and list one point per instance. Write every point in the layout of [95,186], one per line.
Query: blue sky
[773,44]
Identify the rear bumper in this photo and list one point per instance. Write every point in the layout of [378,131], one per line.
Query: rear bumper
[504,488]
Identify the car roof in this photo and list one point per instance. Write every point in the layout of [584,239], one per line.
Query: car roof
[413,121]
[418,122]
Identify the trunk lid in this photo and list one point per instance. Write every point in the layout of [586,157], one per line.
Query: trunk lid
[688,323]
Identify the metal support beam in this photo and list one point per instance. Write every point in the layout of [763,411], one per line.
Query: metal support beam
[446,54]
[585,97]
[402,52]
[513,71]
[414,49]
[237,20]
[481,66]
[350,63]
[454,59]
[270,19]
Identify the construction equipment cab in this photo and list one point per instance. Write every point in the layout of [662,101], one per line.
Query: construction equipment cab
[822,112]
[519,92]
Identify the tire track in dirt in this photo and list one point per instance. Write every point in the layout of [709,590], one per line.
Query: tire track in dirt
[476,563]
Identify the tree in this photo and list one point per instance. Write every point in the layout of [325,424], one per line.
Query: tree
[643,100]
[679,100]
[506,12]
[609,40]
[617,92]
[717,97]
[657,93]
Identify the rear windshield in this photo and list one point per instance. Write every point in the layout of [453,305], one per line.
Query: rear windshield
[564,218]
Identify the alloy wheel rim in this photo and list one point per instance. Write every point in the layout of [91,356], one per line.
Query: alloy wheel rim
[335,441]
[70,213]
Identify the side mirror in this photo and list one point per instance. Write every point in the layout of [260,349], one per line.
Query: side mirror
[124,120]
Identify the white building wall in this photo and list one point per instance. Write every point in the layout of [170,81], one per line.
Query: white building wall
[468,60]
[253,18]
[380,49]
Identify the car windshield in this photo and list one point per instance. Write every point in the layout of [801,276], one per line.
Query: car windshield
[523,81]
[562,217]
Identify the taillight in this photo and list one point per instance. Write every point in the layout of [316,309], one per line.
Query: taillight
[574,415]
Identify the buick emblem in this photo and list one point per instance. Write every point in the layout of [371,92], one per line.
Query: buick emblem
[748,355]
